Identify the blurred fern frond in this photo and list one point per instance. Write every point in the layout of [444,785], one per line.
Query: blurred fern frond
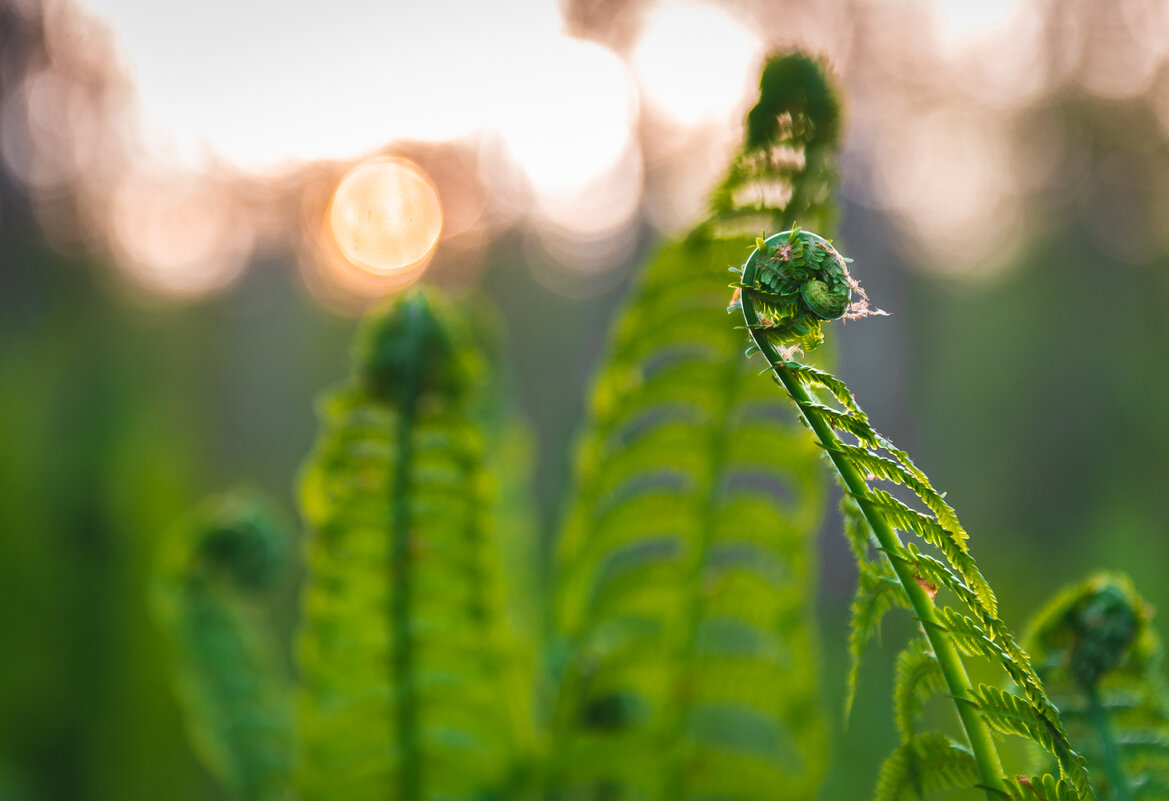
[1095,648]
[685,569]
[215,573]
[412,682]
[785,171]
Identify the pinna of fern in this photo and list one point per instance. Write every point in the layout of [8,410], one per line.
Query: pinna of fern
[687,653]
[217,570]
[413,686]
[789,285]
[1097,652]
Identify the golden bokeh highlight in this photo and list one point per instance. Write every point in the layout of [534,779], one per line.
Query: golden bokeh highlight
[385,216]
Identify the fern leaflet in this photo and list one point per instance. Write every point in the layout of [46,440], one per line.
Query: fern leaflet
[925,763]
[919,678]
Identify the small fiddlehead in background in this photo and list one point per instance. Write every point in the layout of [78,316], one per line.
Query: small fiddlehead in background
[1095,648]
[773,297]
[216,571]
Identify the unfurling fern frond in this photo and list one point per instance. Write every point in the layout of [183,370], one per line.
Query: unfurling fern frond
[786,169]
[215,574]
[411,687]
[790,283]
[686,565]
[1097,652]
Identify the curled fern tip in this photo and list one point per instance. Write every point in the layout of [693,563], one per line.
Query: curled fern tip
[405,347]
[798,279]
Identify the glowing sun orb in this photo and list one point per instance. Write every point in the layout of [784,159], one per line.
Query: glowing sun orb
[386,215]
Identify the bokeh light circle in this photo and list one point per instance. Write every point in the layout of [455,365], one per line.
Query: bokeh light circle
[696,62]
[385,215]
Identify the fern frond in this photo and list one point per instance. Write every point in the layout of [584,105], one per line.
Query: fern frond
[1011,714]
[925,763]
[902,517]
[411,685]
[215,574]
[877,592]
[807,268]
[919,677]
[1044,788]
[968,635]
[882,468]
[686,563]
[1098,652]
[786,168]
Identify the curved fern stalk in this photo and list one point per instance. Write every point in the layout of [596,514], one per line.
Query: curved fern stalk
[789,285]
[411,687]
[685,582]
[1096,649]
[216,571]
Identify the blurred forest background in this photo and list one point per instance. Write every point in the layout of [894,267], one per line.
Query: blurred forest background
[168,312]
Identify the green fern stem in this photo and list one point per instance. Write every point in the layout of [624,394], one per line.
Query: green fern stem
[401,653]
[957,682]
[1110,755]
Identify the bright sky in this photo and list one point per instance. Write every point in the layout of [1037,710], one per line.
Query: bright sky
[268,81]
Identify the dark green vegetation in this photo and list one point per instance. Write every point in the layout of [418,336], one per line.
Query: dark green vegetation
[678,660]
[218,570]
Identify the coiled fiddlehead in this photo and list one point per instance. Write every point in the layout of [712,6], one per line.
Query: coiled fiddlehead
[411,684]
[688,661]
[1097,652]
[800,280]
[896,573]
[215,574]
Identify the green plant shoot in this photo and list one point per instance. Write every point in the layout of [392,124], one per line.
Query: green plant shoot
[216,574]
[790,283]
[412,684]
[1097,652]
